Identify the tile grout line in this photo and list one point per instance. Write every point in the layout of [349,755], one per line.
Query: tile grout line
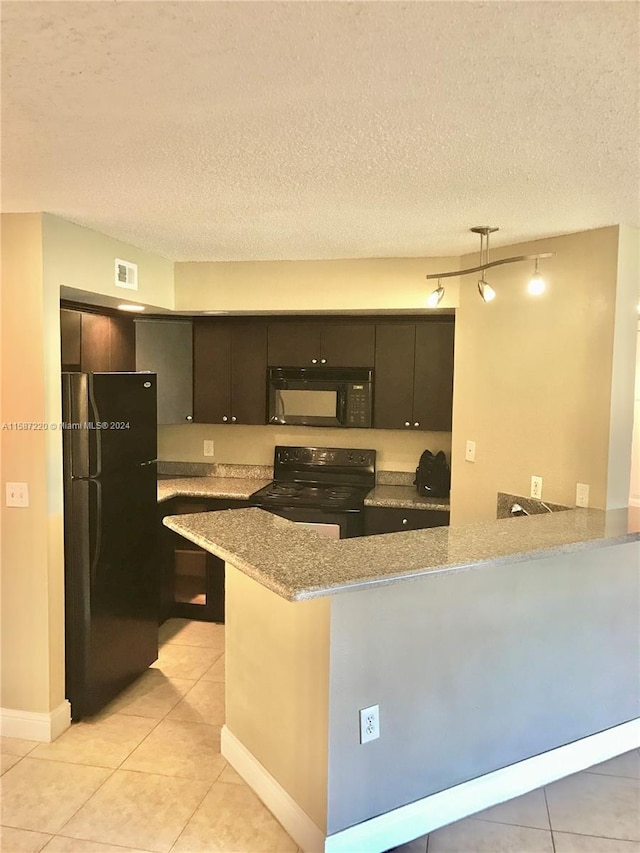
[189,819]
[504,823]
[587,835]
[546,802]
[611,775]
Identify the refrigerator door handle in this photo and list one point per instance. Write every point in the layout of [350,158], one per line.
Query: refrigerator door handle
[97,423]
[95,558]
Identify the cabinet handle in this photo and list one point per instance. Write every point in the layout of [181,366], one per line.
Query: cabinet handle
[314,361]
[417,424]
[190,418]
[407,424]
[225,418]
[233,419]
[323,361]
[405,521]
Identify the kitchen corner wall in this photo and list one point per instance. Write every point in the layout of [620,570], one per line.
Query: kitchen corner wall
[534,376]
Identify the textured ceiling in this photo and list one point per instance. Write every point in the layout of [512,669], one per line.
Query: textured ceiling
[268,130]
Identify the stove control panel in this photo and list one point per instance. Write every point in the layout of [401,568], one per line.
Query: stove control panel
[330,457]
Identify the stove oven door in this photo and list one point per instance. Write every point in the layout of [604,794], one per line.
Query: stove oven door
[332,524]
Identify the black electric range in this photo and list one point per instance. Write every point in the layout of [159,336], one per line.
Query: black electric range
[321,487]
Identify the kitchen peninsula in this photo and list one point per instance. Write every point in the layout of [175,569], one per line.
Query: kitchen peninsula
[502,655]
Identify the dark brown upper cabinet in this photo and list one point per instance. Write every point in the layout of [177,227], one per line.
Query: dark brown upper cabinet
[230,371]
[414,375]
[96,343]
[323,344]
[122,344]
[165,347]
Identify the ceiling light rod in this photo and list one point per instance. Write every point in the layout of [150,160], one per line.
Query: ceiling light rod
[484,232]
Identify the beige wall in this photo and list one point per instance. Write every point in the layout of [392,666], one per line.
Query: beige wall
[277,676]
[623,369]
[533,376]
[32,561]
[83,259]
[354,284]
[253,445]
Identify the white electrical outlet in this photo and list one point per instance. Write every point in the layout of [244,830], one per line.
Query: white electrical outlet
[470,451]
[369,723]
[582,494]
[536,487]
[208,448]
[17,494]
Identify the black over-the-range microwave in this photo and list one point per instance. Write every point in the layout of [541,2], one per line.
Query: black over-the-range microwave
[320,396]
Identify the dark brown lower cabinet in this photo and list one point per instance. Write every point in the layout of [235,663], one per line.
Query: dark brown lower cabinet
[393,519]
[192,584]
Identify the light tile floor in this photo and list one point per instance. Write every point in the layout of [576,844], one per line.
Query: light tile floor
[146,775]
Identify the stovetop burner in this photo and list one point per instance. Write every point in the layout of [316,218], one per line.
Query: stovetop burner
[322,477]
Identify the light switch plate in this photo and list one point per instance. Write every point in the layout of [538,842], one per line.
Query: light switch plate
[470,451]
[208,448]
[17,494]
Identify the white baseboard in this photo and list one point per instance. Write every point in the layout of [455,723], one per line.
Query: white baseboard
[415,819]
[29,725]
[296,821]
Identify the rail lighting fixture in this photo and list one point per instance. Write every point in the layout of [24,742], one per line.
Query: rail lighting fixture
[536,285]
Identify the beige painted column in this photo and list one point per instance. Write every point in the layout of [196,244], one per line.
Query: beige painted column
[32,688]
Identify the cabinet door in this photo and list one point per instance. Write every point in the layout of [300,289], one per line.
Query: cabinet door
[95,343]
[293,344]
[433,387]
[212,370]
[70,323]
[249,373]
[393,380]
[122,344]
[394,519]
[348,345]
[165,347]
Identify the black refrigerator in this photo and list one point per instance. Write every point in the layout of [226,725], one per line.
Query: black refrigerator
[110,533]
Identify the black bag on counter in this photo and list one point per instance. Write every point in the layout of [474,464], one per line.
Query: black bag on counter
[433,475]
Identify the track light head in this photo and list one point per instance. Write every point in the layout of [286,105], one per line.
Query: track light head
[435,297]
[486,291]
[536,286]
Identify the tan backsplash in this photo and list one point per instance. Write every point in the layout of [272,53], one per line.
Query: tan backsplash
[253,445]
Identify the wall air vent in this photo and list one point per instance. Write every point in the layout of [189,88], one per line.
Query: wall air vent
[126,275]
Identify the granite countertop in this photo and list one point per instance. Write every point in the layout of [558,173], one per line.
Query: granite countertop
[298,564]
[403,497]
[239,488]
[240,482]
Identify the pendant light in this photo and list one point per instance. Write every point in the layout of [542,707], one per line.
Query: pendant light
[487,293]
